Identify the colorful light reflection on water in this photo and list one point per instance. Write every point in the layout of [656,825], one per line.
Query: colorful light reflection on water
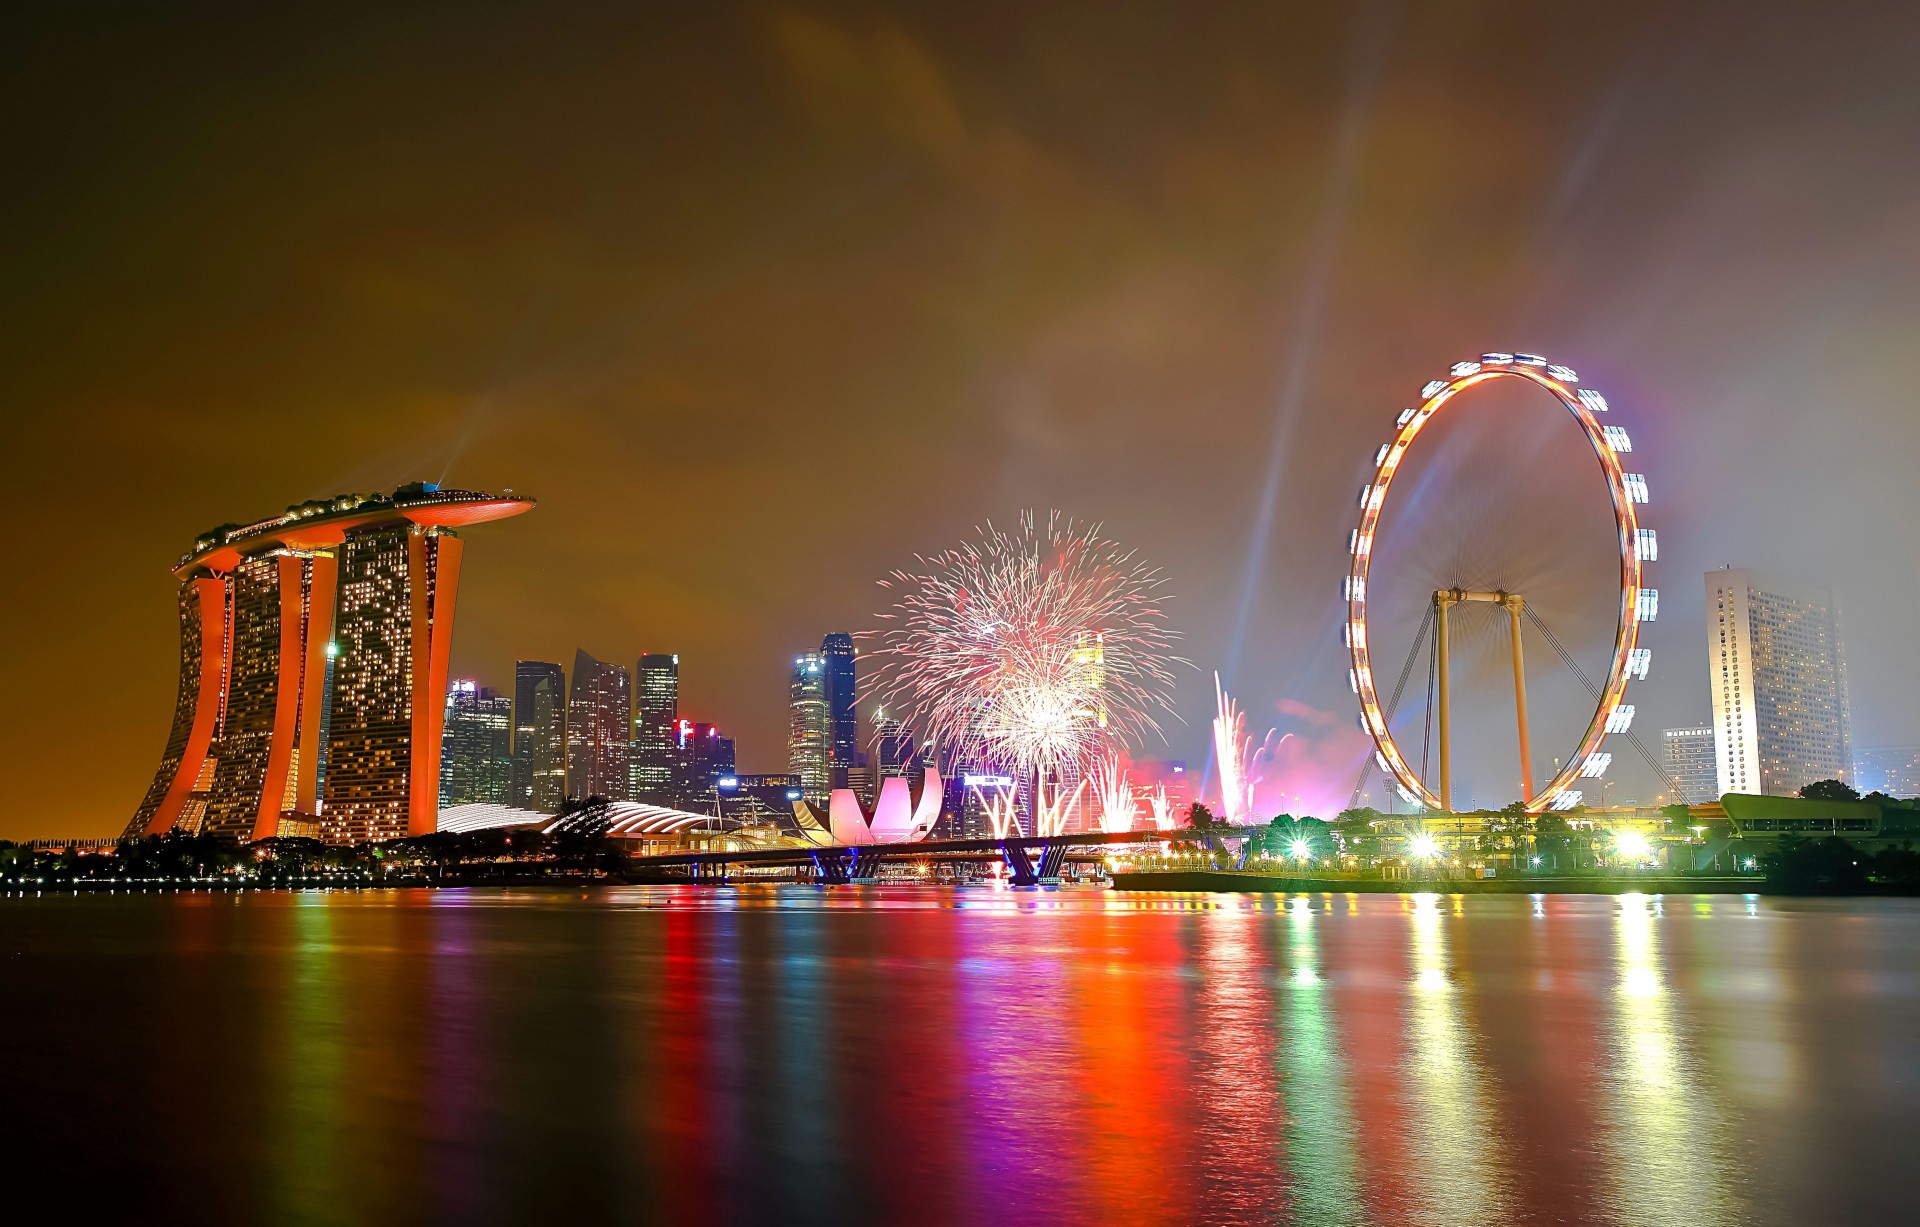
[932,1056]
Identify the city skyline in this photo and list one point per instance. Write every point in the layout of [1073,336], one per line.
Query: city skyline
[1132,304]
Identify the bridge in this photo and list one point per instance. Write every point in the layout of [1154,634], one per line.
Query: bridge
[1031,860]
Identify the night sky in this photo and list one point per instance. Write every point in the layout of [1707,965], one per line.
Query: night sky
[758,301]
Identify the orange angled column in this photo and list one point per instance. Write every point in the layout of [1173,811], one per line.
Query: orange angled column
[320,602]
[432,612]
[286,703]
[212,594]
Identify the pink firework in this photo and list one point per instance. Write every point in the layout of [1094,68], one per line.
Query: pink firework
[1035,650]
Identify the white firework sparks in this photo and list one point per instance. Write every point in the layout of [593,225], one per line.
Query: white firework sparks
[1162,806]
[1233,751]
[1034,650]
[1116,795]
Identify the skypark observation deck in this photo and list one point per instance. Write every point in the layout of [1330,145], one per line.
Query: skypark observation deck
[314,647]
[321,523]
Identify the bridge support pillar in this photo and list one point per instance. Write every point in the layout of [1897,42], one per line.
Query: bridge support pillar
[829,868]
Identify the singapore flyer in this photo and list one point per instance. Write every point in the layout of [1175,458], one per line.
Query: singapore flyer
[1637,603]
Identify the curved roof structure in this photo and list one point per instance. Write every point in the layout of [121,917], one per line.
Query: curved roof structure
[626,819]
[325,522]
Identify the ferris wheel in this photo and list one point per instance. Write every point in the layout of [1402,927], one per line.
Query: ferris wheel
[1637,547]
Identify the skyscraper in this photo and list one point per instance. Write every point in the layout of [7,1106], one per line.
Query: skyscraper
[706,757]
[1779,684]
[539,735]
[476,749]
[656,708]
[843,720]
[1691,774]
[809,727]
[599,730]
[324,629]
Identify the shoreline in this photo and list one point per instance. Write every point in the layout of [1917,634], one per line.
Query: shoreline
[1229,881]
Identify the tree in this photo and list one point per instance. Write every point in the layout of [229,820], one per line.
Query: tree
[1829,790]
[1829,866]
[1200,818]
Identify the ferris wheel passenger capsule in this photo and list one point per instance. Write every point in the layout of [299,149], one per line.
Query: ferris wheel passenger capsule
[1646,545]
[1432,388]
[1567,798]
[1617,438]
[1593,400]
[1636,485]
[1646,605]
[1529,360]
[1497,359]
[1563,373]
[1596,765]
[1463,369]
[1638,662]
[1620,719]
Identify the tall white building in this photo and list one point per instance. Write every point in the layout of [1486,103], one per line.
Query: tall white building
[1692,776]
[810,727]
[1779,684]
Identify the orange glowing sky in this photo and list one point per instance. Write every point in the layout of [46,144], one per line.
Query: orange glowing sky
[758,300]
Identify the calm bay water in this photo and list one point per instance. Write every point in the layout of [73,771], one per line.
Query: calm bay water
[933,1056]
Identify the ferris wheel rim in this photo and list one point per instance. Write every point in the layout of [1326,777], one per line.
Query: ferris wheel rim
[1626,490]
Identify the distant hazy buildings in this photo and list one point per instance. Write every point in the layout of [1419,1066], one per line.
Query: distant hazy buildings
[656,710]
[1779,684]
[539,735]
[1893,770]
[323,631]
[809,727]
[1692,777]
[599,730]
[476,747]
[843,719]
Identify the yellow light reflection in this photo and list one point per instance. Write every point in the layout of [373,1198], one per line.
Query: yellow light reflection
[1662,1134]
[1462,1173]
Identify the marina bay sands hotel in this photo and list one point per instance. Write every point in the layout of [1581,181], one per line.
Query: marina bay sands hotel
[313,669]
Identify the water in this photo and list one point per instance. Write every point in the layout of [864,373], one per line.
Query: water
[795,1055]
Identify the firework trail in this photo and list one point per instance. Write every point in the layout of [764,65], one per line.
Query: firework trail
[1034,650]
[999,806]
[1162,808]
[1233,750]
[1116,795]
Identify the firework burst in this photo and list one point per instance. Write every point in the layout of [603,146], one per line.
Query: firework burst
[1036,650]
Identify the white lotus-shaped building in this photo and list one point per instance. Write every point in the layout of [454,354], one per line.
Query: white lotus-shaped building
[898,817]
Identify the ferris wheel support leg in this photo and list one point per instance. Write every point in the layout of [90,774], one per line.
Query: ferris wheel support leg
[1515,604]
[1441,601]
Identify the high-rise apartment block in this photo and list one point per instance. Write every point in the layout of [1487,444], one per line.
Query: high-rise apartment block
[1779,684]
[843,720]
[599,730]
[706,758]
[476,749]
[320,634]
[1692,776]
[809,727]
[539,736]
[656,712]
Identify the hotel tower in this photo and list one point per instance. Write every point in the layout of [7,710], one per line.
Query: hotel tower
[313,669]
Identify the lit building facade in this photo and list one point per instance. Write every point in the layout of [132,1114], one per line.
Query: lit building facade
[809,727]
[539,736]
[843,720]
[319,633]
[476,747]
[599,730]
[656,712]
[1779,684]
[1693,777]
[706,757]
